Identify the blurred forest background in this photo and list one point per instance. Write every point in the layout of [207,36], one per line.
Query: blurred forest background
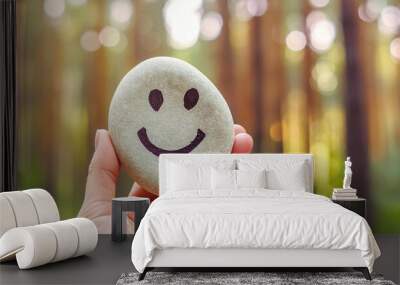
[313,76]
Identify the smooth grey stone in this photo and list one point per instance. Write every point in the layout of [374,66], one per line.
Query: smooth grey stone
[166,105]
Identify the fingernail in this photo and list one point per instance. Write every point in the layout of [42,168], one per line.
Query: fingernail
[96,139]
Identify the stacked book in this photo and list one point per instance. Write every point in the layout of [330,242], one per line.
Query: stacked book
[344,194]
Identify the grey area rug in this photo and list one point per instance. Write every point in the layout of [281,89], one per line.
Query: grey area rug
[225,278]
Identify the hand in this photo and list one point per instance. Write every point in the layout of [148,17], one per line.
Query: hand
[104,170]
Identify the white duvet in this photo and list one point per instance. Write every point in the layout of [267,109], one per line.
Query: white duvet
[252,218]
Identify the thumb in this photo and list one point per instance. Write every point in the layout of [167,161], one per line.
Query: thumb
[104,158]
[102,177]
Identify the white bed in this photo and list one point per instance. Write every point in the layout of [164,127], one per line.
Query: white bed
[249,227]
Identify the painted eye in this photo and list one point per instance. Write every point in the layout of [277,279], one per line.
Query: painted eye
[156,99]
[191,98]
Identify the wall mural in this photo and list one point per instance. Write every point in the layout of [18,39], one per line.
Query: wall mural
[314,76]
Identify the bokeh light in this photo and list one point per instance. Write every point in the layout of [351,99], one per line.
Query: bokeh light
[275,131]
[90,41]
[364,15]
[389,20]
[322,31]
[182,20]
[256,8]
[324,76]
[319,3]
[314,17]
[109,36]
[373,8]
[244,10]
[211,25]
[395,48]
[122,44]
[54,8]
[296,41]
[121,12]
[370,10]
[240,10]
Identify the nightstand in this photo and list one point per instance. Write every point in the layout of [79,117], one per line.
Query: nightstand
[358,205]
[120,207]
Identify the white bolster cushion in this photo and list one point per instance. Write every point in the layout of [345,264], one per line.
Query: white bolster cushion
[33,246]
[87,235]
[23,208]
[37,245]
[45,205]
[26,208]
[66,238]
[7,218]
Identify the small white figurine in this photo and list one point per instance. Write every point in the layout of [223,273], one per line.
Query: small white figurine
[347,174]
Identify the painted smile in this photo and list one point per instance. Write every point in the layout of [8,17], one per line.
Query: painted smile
[142,134]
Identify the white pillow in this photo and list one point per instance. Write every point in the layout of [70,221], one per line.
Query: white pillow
[281,174]
[223,179]
[251,178]
[219,163]
[175,180]
[188,177]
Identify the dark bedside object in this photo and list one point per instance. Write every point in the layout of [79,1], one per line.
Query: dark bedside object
[120,207]
[358,205]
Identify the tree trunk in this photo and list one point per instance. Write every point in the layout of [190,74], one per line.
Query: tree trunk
[96,81]
[273,77]
[148,39]
[257,72]
[50,107]
[224,55]
[312,102]
[137,50]
[354,100]
[368,37]
[243,80]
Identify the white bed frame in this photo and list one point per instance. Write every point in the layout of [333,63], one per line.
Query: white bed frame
[246,258]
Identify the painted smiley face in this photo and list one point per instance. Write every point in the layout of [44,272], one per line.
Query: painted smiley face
[156,100]
[165,105]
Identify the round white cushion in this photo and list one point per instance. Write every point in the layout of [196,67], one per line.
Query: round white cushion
[67,239]
[26,208]
[23,208]
[87,234]
[40,244]
[7,218]
[45,205]
[33,246]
